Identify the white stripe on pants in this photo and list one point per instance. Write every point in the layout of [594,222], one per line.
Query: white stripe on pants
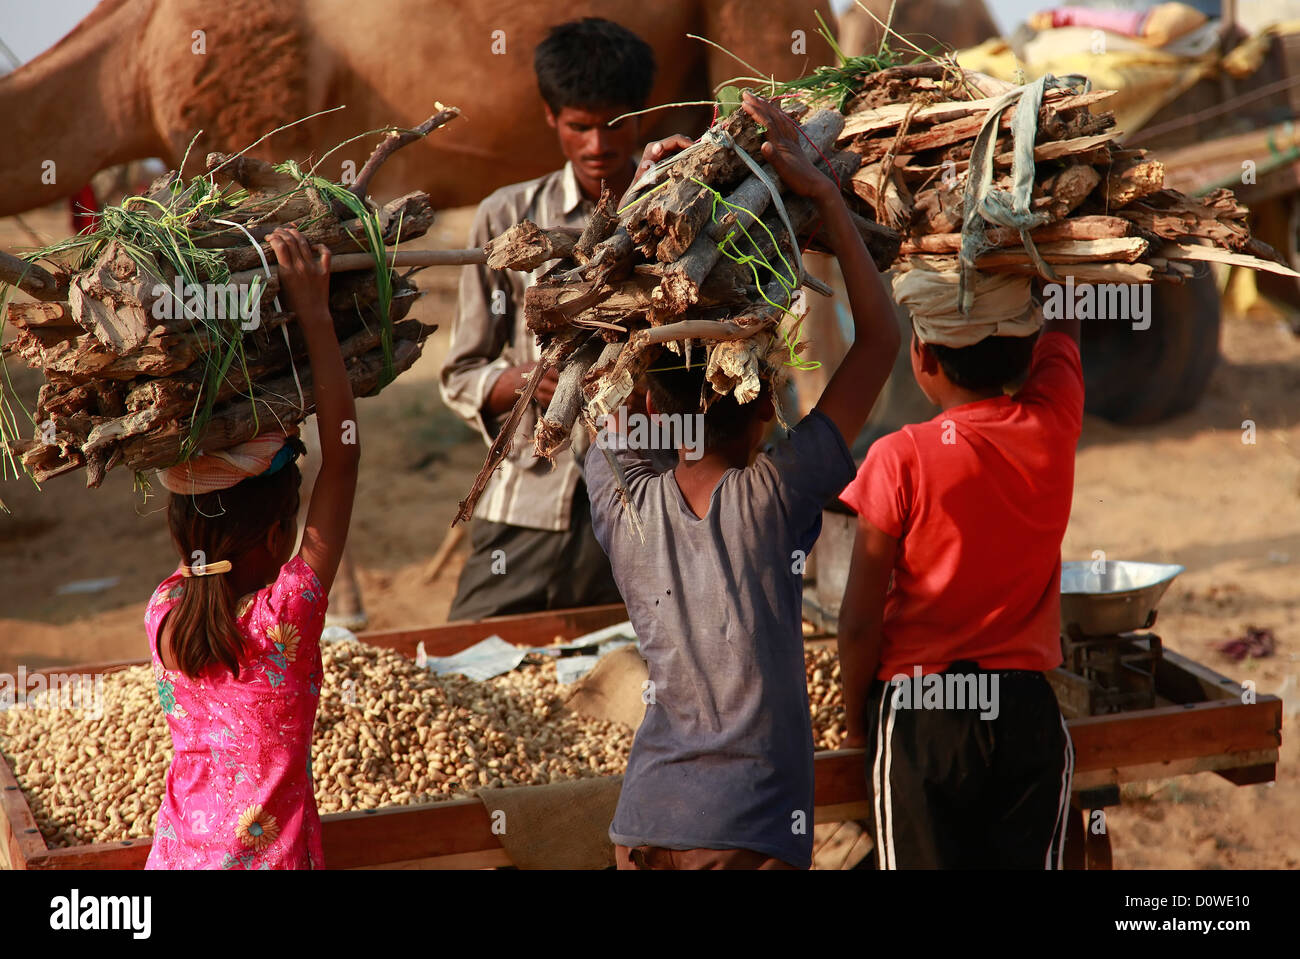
[885,858]
[1063,811]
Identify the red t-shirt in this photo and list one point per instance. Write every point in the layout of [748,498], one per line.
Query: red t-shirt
[979,498]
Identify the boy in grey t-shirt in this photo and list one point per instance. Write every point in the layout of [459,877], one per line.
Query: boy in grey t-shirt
[721,773]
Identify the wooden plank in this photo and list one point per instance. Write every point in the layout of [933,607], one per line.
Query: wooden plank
[1250,775]
[124,854]
[841,777]
[1183,680]
[1056,149]
[843,812]
[1075,228]
[1073,693]
[953,121]
[1127,249]
[350,840]
[488,859]
[436,834]
[891,115]
[1212,254]
[1082,272]
[1158,737]
[400,833]
[1223,763]
[525,629]
[20,838]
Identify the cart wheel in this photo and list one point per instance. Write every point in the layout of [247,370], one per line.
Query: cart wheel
[1096,847]
[1083,848]
[1135,377]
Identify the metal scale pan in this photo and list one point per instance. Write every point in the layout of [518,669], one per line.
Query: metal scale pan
[1109,598]
[1102,604]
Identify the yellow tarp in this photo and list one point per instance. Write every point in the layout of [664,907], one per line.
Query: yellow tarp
[1146,80]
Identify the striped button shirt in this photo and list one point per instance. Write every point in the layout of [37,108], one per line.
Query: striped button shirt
[489,335]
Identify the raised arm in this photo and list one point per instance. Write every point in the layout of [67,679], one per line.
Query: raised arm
[852,390]
[861,621]
[1066,321]
[304,278]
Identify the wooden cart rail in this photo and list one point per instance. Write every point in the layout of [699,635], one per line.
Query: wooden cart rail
[1209,727]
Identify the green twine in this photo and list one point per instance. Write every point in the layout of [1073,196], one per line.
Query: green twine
[756,259]
[632,203]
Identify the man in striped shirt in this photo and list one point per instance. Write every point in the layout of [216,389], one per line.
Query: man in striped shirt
[531,539]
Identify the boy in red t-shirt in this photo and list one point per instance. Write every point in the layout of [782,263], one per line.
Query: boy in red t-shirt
[951,615]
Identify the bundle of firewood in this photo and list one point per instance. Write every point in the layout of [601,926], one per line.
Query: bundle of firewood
[1106,216]
[708,252]
[173,340]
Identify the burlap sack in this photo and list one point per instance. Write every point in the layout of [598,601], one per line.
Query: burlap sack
[612,690]
[566,825]
[560,826]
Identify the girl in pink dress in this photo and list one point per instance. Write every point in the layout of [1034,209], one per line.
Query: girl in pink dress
[234,633]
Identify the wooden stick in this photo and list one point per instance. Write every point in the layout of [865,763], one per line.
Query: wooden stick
[526,246]
[553,428]
[561,244]
[1060,148]
[506,436]
[890,115]
[1127,249]
[396,258]
[32,279]
[1079,228]
[394,140]
[1212,254]
[701,330]
[439,560]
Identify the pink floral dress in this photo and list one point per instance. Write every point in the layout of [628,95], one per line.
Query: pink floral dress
[239,789]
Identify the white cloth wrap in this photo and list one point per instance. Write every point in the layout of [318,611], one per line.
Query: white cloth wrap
[1002,306]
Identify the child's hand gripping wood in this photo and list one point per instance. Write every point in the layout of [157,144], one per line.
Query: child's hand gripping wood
[304,279]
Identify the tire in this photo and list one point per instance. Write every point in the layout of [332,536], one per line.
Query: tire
[1131,377]
[1138,377]
[1277,223]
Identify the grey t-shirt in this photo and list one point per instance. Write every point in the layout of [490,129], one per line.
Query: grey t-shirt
[723,757]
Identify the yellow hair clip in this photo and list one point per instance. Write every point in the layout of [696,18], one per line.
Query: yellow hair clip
[207,569]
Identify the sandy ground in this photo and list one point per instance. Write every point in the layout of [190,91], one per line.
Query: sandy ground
[1188,491]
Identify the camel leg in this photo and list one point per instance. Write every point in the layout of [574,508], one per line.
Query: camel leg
[345,604]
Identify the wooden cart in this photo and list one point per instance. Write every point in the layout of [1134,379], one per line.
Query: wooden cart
[1204,726]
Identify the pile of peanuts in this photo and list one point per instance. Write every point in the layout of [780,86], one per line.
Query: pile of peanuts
[388,733]
[825,697]
[89,779]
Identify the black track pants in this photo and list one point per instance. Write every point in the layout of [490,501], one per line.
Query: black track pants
[952,790]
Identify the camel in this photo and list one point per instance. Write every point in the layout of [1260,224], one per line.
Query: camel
[957,24]
[140,78]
